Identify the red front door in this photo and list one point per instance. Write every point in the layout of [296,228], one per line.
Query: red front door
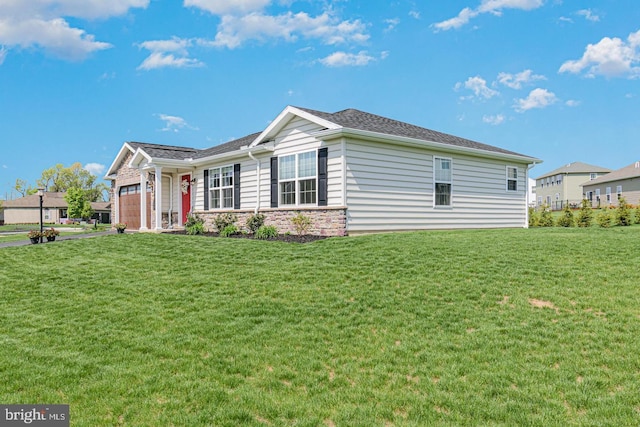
[185,187]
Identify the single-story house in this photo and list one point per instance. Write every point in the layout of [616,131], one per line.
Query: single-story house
[607,189]
[26,210]
[348,171]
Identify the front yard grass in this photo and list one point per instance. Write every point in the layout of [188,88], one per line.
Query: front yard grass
[532,327]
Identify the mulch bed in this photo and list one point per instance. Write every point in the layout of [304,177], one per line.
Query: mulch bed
[288,238]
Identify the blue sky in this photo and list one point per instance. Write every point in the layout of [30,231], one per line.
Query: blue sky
[557,80]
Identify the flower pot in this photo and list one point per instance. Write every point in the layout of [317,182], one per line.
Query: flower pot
[34,240]
[120,230]
[51,238]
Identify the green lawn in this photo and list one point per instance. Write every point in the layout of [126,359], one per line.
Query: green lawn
[536,327]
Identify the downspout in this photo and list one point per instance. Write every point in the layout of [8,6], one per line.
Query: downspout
[257,208]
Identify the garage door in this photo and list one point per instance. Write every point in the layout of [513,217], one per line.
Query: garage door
[129,205]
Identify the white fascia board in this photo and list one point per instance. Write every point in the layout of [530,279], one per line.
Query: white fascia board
[138,157]
[233,154]
[284,117]
[421,143]
[121,154]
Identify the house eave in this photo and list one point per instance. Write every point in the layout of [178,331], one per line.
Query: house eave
[332,134]
[244,151]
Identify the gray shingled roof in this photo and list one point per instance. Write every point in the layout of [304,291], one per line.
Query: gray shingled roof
[576,167]
[627,172]
[356,119]
[349,118]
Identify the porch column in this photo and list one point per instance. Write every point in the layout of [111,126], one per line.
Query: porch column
[158,198]
[143,201]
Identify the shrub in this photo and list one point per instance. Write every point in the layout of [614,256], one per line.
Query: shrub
[301,223]
[223,220]
[546,219]
[229,230]
[266,232]
[623,213]
[254,222]
[604,218]
[637,214]
[585,215]
[534,218]
[194,225]
[566,219]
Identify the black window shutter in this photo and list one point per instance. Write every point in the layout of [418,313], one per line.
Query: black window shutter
[322,176]
[206,189]
[236,186]
[274,182]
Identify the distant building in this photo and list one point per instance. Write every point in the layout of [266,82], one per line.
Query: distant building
[563,186]
[607,189]
[26,210]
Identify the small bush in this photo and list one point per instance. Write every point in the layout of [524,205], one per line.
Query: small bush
[566,219]
[585,215]
[604,218]
[534,218]
[266,232]
[545,219]
[194,225]
[623,213]
[637,214]
[254,222]
[223,220]
[229,230]
[301,223]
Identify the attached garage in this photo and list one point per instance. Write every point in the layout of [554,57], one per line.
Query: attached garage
[129,206]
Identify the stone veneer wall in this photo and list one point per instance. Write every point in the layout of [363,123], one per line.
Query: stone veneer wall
[325,221]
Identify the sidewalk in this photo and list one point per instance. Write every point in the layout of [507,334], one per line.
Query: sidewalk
[59,238]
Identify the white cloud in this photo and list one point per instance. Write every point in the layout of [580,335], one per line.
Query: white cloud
[516,81]
[537,98]
[233,31]
[168,53]
[414,14]
[174,123]
[610,57]
[40,23]
[391,24]
[588,15]
[94,168]
[478,86]
[493,7]
[3,54]
[494,120]
[226,7]
[343,59]
[572,103]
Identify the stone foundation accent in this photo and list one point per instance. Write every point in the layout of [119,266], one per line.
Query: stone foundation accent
[325,221]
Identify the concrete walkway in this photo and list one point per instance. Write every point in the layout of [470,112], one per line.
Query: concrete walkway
[26,240]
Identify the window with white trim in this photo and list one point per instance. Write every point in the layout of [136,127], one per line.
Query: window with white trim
[221,188]
[592,176]
[442,181]
[298,178]
[512,178]
[608,190]
[619,191]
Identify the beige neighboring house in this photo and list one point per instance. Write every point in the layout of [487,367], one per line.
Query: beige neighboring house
[26,210]
[607,189]
[563,186]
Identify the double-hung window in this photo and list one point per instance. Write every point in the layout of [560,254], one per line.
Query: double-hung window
[298,178]
[221,188]
[619,191]
[512,178]
[442,181]
[608,189]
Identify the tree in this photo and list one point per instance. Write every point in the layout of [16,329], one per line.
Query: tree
[566,219]
[76,200]
[585,215]
[23,188]
[60,178]
[623,213]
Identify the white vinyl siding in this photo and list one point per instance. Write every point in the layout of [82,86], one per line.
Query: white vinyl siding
[402,198]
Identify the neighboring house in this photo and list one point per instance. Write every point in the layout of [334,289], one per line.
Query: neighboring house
[563,186]
[607,189]
[349,172]
[26,210]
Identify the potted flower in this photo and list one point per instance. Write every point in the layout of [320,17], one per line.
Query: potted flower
[51,234]
[34,236]
[120,227]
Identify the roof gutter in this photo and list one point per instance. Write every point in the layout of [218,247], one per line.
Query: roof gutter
[330,134]
[231,154]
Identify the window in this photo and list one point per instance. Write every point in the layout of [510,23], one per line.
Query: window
[597,195]
[442,182]
[221,188]
[512,178]
[619,191]
[593,176]
[608,190]
[539,200]
[297,178]
[47,214]
[559,179]
[542,183]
